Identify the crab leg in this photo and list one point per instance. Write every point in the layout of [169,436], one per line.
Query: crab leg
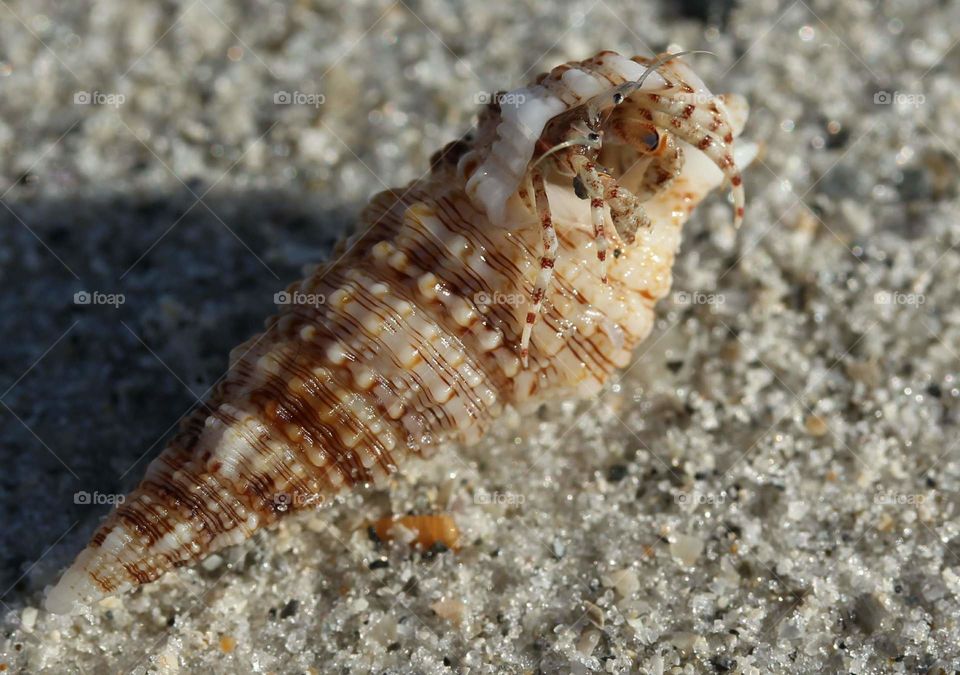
[712,146]
[688,107]
[547,261]
[625,209]
[589,178]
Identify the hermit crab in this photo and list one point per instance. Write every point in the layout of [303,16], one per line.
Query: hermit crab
[419,338]
[582,115]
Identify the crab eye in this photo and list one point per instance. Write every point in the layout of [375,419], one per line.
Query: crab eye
[617,98]
[593,137]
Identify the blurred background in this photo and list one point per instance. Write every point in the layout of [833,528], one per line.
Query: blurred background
[772,486]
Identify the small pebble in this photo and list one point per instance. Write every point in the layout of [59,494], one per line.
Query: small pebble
[686,549]
[625,582]
[688,642]
[28,618]
[594,614]
[869,613]
[290,609]
[450,609]
[588,641]
[168,660]
[816,426]
[616,473]
[212,562]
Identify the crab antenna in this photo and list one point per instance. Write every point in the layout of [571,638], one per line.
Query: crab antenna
[585,140]
[627,88]
[666,58]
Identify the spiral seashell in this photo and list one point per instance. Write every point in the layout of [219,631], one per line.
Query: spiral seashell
[410,338]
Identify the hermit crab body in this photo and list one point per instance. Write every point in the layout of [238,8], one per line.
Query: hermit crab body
[645,106]
[426,334]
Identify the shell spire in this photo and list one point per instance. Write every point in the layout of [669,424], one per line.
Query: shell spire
[411,339]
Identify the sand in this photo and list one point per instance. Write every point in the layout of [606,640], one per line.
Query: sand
[770,487]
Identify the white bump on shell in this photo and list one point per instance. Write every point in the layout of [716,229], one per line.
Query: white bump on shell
[583,84]
[521,124]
